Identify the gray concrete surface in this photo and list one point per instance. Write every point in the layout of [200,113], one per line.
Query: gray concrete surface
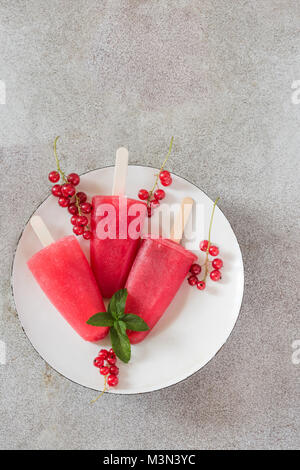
[217,75]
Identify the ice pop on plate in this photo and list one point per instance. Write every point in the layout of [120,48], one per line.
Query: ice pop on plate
[112,257]
[64,274]
[157,273]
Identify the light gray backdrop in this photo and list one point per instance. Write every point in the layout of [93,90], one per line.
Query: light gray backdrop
[216,74]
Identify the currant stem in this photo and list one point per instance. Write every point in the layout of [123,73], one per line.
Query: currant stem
[209,234]
[77,204]
[161,169]
[57,161]
[103,391]
[63,175]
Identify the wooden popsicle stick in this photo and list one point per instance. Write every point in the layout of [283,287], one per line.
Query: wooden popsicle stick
[41,230]
[181,219]
[120,174]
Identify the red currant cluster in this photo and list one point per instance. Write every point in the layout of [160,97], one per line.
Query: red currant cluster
[154,196]
[196,269]
[109,370]
[76,202]
[217,263]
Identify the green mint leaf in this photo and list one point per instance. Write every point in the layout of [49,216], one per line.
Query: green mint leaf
[101,319]
[135,323]
[120,343]
[120,326]
[117,304]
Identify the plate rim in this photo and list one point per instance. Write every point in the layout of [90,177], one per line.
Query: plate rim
[115,392]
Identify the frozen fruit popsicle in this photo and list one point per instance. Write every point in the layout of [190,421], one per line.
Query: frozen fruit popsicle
[157,273]
[113,253]
[65,276]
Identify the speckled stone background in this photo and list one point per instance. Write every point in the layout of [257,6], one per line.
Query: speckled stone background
[216,74]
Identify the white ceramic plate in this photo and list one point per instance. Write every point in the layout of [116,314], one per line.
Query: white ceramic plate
[192,330]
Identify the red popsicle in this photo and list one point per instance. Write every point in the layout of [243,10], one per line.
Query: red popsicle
[116,225]
[158,271]
[65,276]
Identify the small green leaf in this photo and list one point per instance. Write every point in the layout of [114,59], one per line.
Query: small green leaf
[117,304]
[135,323]
[120,343]
[120,326]
[101,319]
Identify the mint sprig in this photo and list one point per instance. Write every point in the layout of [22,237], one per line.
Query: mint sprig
[119,323]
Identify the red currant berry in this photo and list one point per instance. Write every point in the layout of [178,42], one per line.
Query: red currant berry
[166,182]
[73,209]
[213,250]
[98,362]
[102,356]
[86,207]
[217,263]
[78,230]
[53,176]
[154,203]
[56,190]
[192,280]
[104,370]
[215,275]
[111,351]
[143,194]
[68,190]
[201,285]
[74,179]
[74,220]
[195,269]
[203,245]
[63,201]
[114,370]
[112,380]
[159,194]
[111,360]
[87,235]
[82,220]
[164,175]
[103,353]
[82,197]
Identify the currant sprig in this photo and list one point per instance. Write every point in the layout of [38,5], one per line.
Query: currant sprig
[65,192]
[209,249]
[156,194]
[106,363]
